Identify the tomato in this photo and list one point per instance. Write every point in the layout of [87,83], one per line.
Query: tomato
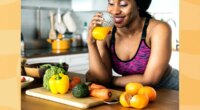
[23,79]
[74,81]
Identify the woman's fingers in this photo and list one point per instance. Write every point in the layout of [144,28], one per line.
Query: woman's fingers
[96,20]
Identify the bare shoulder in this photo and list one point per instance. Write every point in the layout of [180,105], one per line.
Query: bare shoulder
[157,30]
[157,26]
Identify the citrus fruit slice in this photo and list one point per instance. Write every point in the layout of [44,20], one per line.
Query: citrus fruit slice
[124,99]
[139,101]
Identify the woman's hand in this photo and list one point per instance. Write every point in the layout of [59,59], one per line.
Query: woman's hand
[96,20]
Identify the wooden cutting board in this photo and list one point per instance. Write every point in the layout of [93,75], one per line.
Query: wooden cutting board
[68,98]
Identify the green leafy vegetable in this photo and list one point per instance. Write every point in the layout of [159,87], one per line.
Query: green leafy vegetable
[49,72]
[45,66]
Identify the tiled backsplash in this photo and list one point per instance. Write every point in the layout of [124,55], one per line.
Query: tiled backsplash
[36,21]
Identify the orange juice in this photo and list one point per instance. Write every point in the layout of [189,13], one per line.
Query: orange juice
[99,33]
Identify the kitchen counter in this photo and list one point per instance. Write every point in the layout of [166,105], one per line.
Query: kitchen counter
[166,100]
[35,53]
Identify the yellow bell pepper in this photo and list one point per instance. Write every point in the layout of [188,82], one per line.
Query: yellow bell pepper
[59,83]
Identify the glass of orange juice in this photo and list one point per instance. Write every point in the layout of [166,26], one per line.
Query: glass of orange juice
[100,32]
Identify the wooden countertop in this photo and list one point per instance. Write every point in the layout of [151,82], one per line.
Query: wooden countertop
[166,100]
[34,53]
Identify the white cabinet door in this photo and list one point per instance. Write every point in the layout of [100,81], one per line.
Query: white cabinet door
[78,59]
[78,63]
[53,59]
[79,69]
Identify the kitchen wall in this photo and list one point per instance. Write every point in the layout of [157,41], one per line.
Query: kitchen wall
[168,11]
[36,21]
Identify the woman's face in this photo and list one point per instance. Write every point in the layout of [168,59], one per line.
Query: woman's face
[123,11]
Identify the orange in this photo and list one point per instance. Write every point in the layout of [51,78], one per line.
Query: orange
[139,101]
[149,91]
[133,88]
[124,99]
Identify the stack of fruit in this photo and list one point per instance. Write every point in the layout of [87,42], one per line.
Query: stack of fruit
[137,96]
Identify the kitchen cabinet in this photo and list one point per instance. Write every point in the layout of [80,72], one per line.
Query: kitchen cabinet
[89,5]
[78,63]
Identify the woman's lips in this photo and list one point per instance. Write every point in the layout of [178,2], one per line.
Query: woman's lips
[118,20]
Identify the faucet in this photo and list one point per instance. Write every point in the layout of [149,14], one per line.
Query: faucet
[172,20]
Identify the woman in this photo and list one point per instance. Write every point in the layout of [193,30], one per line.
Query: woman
[139,48]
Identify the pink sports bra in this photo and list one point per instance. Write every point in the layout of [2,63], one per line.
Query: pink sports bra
[138,63]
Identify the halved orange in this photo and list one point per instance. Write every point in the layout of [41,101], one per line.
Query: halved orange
[124,99]
[139,101]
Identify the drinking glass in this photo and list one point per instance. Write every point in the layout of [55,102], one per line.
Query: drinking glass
[101,31]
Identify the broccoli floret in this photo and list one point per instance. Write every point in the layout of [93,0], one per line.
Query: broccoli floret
[50,72]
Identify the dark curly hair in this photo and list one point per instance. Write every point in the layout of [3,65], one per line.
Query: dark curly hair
[143,6]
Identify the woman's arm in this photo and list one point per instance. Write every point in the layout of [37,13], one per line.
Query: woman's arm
[99,59]
[160,38]
[99,64]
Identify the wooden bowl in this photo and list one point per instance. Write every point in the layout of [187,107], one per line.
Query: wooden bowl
[34,70]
